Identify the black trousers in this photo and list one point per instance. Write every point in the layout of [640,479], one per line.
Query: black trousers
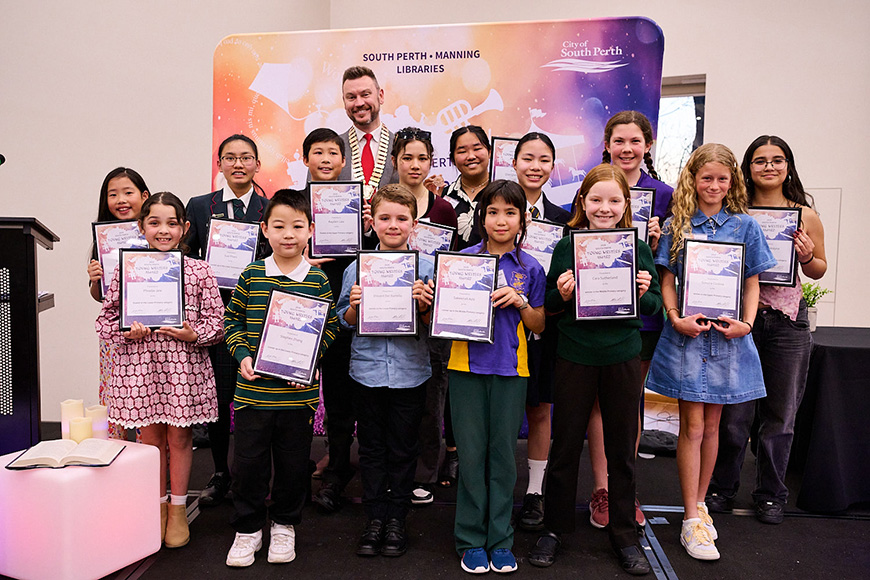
[388,429]
[618,388]
[264,437]
[225,369]
[340,400]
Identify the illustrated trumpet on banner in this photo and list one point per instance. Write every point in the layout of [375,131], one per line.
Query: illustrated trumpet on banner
[458,113]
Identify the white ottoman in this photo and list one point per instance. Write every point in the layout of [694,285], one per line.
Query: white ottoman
[79,522]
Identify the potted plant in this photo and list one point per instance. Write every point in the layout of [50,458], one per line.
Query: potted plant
[812,294]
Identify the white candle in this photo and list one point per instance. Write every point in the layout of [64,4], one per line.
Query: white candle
[80,428]
[100,421]
[69,409]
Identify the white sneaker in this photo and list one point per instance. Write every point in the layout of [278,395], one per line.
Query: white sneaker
[704,514]
[697,541]
[282,544]
[244,548]
[422,495]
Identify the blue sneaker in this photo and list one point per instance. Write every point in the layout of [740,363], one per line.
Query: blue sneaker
[502,561]
[474,561]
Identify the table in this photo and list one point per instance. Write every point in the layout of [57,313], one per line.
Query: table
[832,431]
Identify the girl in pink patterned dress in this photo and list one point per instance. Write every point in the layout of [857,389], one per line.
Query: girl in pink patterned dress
[163,382]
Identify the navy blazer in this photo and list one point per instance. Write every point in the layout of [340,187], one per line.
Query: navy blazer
[202,208]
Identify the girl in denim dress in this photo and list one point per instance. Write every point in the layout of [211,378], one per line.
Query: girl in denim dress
[707,364]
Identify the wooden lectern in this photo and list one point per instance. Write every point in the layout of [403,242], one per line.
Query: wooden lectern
[20,305]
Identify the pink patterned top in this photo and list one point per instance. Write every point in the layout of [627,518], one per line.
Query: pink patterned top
[160,379]
[786,299]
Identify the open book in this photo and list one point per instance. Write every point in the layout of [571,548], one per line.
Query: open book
[63,452]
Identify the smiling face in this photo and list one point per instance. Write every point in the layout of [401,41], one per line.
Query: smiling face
[627,147]
[774,170]
[471,157]
[124,199]
[238,163]
[413,164]
[324,161]
[393,223]
[362,102]
[712,182]
[288,231]
[533,164]
[604,205]
[501,221]
[162,228]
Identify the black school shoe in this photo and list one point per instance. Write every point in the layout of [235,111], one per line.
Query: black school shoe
[216,490]
[531,515]
[370,542]
[719,504]
[544,553]
[770,512]
[395,540]
[632,560]
[328,499]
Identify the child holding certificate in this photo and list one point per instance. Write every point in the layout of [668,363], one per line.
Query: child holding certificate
[707,363]
[273,417]
[121,197]
[163,381]
[487,385]
[391,372]
[596,359]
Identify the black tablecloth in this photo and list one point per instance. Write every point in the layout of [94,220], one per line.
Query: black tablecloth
[832,433]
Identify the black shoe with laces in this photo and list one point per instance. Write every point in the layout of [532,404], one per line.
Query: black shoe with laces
[531,515]
[216,490]
[395,540]
[770,512]
[719,504]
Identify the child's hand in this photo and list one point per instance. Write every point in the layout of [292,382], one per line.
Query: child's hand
[95,271]
[246,367]
[295,385]
[691,326]
[315,261]
[654,230]
[423,292]
[184,334]
[355,296]
[565,284]
[507,296]
[734,328]
[804,245]
[434,183]
[643,280]
[137,331]
[367,216]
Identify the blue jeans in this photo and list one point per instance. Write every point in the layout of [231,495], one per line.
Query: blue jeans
[784,348]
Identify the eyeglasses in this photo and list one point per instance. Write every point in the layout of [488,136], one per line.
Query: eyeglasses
[414,134]
[760,164]
[245,159]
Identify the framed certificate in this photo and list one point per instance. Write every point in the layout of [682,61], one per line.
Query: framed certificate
[232,245]
[428,238]
[292,333]
[152,288]
[462,308]
[643,201]
[712,282]
[109,239]
[336,212]
[387,307]
[779,225]
[605,273]
[501,162]
[541,239]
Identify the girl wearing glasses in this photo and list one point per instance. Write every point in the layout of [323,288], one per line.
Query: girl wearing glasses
[781,333]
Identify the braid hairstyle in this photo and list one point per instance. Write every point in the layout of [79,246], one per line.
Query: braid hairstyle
[627,118]
[792,188]
[685,201]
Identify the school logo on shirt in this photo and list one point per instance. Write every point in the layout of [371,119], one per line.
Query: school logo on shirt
[519,281]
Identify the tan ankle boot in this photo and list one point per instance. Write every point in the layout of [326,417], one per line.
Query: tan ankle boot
[177,532]
[164,514]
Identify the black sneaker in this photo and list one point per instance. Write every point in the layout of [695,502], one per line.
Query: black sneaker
[770,512]
[543,554]
[422,494]
[531,516]
[216,490]
[719,504]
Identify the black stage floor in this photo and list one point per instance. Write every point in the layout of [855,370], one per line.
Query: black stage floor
[805,546]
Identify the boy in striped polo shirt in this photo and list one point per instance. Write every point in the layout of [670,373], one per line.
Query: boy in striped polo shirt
[273,418]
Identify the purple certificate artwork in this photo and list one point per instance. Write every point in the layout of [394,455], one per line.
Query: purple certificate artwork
[428,238]
[502,159]
[336,213]
[462,309]
[151,288]
[109,239]
[292,333]
[712,279]
[231,247]
[605,269]
[779,226]
[541,240]
[642,203]
[387,307]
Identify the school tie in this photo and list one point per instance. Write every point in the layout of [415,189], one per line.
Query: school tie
[535,213]
[238,210]
[367,159]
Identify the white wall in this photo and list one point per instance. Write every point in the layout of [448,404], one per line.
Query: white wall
[91,85]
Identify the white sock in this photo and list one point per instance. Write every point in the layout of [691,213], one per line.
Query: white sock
[536,476]
[164,499]
[178,499]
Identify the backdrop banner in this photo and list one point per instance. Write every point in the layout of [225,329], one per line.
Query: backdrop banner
[562,78]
